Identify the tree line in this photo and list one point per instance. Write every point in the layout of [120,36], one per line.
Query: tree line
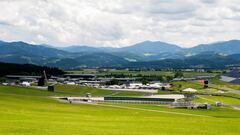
[27,69]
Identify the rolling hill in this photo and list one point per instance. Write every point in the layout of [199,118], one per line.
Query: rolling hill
[92,60]
[23,53]
[149,47]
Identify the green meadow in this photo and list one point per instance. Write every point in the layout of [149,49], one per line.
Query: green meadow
[25,111]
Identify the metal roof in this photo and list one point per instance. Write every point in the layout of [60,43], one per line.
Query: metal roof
[236,81]
[234,73]
[22,76]
[80,75]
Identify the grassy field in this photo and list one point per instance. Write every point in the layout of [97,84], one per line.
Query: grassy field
[214,99]
[26,111]
[181,85]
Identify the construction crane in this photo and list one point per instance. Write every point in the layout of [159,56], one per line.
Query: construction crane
[45,76]
[50,87]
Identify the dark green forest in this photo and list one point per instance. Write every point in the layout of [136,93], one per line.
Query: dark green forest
[27,69]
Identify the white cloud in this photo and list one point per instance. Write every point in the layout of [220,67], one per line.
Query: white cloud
[119,22]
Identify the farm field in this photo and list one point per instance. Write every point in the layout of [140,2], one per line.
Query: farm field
[143,73]
[26,111]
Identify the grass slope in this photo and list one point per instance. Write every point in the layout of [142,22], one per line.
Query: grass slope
[27,111]
[81,91]
[66,90]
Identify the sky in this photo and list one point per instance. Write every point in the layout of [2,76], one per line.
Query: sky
[118,23]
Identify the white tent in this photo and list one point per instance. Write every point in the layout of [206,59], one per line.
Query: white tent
[189,90]
[27,84]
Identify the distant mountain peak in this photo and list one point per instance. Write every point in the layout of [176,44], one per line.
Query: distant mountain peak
[151,47]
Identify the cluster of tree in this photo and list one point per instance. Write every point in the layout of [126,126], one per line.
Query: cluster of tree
[2,79]
[143,78]
[148,78]
[27,69]
[113,82]
[116,75]
[178,74]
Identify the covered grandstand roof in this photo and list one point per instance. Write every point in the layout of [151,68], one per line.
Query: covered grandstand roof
[189,90]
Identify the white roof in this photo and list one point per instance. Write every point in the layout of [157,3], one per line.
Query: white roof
[136,84]
[172,96]
[189,90]
[227,78]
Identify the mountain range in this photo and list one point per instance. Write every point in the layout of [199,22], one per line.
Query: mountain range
[146,54]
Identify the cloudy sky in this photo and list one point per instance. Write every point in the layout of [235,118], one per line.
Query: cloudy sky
[119,23]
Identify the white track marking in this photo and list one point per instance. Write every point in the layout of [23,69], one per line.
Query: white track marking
[207,99]
[150,110]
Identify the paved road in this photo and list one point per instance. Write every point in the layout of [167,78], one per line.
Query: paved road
[225,89]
